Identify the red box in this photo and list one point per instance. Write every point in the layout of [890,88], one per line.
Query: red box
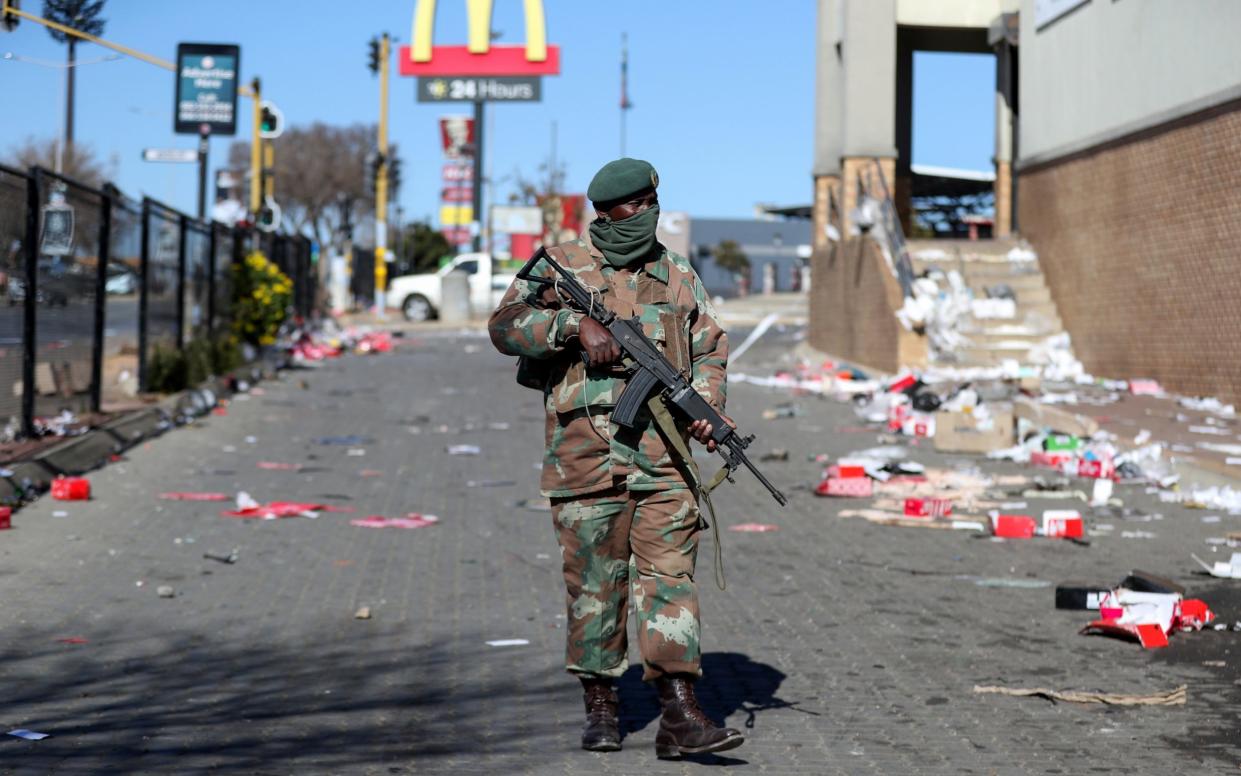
[906,382]
[1097,470]
[896,416]
[1013,526]
[6,515]
[71,489]
[928,507]
[1063,524]
[850,471]
[1051,460]
[852,487]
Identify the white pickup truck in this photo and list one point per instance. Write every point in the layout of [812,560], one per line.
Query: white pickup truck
[419,296]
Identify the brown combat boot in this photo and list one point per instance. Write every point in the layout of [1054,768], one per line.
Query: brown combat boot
[602,731]
[684,728]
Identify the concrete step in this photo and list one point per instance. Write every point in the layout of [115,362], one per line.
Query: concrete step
[1030,293]
[991,355]
[990,339]
[995,248]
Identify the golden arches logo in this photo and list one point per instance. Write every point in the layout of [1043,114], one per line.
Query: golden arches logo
[478,19]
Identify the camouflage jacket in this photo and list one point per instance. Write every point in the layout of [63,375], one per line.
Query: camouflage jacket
[585,451]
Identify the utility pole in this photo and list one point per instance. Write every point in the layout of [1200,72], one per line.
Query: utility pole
[256,152]
[381,182]
[625,104]
[478,175]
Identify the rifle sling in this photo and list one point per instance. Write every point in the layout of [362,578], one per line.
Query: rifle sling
[668,428]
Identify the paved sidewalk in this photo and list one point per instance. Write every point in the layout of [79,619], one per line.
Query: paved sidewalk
[839,646]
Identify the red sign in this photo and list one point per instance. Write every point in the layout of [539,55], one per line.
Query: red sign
[457,136]
[458,171]
[562,217]
[458,194]
[498,61]
[456,235]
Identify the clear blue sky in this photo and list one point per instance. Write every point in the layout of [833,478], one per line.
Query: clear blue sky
[723,93]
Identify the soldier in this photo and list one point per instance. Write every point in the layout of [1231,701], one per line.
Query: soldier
[623,502]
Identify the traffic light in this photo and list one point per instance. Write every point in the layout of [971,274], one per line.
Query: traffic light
[10,20]
[271,121]
[373,64]
[374,160]
[394,173]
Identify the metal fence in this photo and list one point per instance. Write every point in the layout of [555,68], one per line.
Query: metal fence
[92,283]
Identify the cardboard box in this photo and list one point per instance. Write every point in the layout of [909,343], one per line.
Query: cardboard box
[961,432]
[928,507]
[853,487]
[1013,526]
[919,424]
[1051,460]
[1047,416]
[71,489]
[1063,524]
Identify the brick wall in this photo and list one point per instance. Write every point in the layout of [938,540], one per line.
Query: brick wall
[1140,242]
[853,301]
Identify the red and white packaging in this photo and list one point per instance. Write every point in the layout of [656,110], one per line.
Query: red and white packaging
[919,424]
[1145,388]
[902,383]
[71,489]
[1054,459]
[6,517]
[898,411]
[1063,524]
[847,469]
[1098,470]
[1013,526]
[928,507]
[850,487]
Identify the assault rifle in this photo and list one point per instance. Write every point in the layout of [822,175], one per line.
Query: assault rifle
[649,371]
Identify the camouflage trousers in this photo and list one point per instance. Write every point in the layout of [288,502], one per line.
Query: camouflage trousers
[616,541]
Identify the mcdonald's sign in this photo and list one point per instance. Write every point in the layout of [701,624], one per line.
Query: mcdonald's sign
[479,57]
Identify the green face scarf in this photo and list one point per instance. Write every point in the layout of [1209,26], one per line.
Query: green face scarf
[624,242]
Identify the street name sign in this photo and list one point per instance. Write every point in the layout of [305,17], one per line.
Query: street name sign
[169,155]
[464,89]
[206,89]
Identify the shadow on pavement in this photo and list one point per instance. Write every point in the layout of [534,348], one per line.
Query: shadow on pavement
[731,682]
[131,701]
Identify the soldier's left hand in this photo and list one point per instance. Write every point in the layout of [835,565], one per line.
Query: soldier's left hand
[701,430]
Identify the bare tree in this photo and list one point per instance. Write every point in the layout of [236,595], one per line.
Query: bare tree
[81,15]
[79,161]
[321,177]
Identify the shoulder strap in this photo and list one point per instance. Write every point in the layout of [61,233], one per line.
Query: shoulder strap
[668,428]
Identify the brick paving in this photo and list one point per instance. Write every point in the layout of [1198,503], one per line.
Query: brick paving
[839,646]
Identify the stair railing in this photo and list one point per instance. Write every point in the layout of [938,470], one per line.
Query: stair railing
[892,232]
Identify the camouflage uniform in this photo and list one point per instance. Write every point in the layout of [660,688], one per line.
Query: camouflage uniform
[619,493]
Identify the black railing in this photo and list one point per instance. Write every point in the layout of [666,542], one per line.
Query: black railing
[91,283]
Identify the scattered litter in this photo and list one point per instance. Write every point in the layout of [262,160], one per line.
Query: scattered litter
[1224,570]
[349,440]
[355,451]
[72,640]
[363,613]
[60,513]
[498,426]
[252,440]
[1022,584]
[230,558]
[6,518]
[165,591]
[535,504]
[1175,697]
[370,473]
[193,496]
[489,483]
[279,467]
[1136,535]
[71,489]
[778,454]
[754,527]
[508,643]
[782,411]
[412,520]
[29,735]
[463,449]
[249,508]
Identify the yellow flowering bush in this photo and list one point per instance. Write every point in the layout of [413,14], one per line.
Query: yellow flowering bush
[262,295]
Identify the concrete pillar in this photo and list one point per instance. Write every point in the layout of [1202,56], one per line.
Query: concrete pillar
[1004,140]
[868,56]
[902,186]
[828,116]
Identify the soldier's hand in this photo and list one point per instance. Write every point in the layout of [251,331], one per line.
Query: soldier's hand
[701,430]
[598,342]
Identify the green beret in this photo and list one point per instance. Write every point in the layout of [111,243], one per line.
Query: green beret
[620,179]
